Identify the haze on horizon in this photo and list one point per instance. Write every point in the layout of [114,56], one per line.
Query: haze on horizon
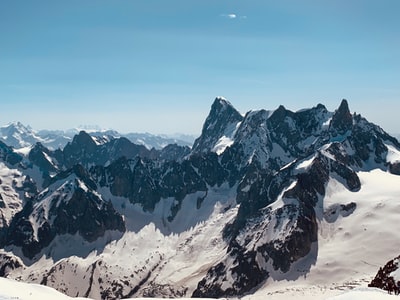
[156,66]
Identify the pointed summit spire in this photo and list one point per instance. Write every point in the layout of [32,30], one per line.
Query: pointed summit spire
[342,120]
[344,107]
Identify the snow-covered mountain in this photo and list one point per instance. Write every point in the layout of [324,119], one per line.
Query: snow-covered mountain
[263,201]
[19,136]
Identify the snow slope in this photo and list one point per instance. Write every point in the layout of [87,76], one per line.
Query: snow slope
[11,290]
[10,198]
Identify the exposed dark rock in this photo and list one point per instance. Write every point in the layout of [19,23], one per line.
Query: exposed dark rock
[384,279]
[312,183]
[394,168]
[9,263]
[87,214]
[298,243]
[8,155]
[39,156]
[82,148]
[84,213]
[20,232]
[249,275]
[342,120]
[333,212]
[173,152]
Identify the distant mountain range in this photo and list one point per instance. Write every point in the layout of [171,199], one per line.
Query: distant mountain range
[18,136]
[272,196]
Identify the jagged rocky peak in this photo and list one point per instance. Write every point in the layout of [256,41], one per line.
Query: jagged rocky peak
[342,119]
[221,100]
[41,157]
[221,122]
[83,139]
[80,149]
[280,112]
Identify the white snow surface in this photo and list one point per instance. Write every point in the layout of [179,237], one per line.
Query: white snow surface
[305,164]
[11,290]
[227,139]
[24,151]
[9,180]
[14,290]
[364,294]
[393,154]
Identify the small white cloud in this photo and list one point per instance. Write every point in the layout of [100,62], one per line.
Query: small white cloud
[229,16]
[233,16]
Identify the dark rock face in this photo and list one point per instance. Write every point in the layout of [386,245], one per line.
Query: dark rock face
[20,233]
[89,151]
[8,155]
[394,168]
[384,280]
[344,210]
[291,128]
[245,263]
[87,214]
[173,152]
[39,156]
[342,120]
[146,181]
[84,150]
[312,183]
[8,263]
[73,208]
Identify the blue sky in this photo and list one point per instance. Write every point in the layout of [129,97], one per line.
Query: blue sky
[157,66]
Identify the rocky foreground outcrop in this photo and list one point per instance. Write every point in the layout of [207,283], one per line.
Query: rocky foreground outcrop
[388,277]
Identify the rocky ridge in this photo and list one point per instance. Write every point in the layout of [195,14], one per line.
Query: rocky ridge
[275,165]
